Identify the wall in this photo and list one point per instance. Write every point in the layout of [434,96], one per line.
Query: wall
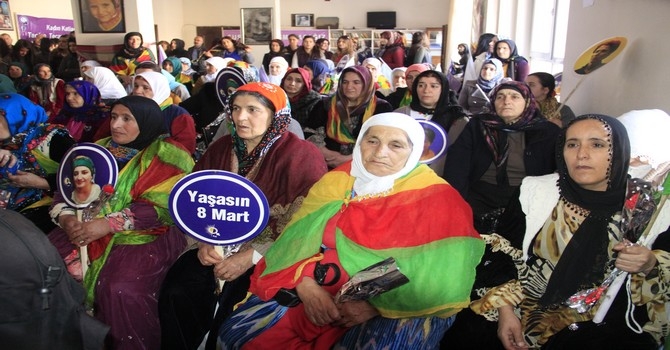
[636,79]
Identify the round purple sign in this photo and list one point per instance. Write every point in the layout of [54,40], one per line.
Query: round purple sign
[219,207]
[435,143]
[84,170]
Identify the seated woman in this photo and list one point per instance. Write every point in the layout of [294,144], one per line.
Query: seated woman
[403,96]
[398,78]
[30,154]
[474,93]
[382,204]
[231,48]
[173,66]
[213,66]
[382,84]
[278,68]
[261,149]
[567,233]
[301,96]
[336,121]
[47,91]
[109,85]
[497,150]
[133,241]
[515,67]
[132,54]
[177,120]
[543,86]
[277,49]
[18,73]
[83,113]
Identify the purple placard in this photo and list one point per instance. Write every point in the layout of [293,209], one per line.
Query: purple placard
[30,26]
[102,170]
[316,33]
[218,207]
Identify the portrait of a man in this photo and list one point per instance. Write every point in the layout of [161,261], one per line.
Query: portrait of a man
[102,16]
[256,25]
[598,55]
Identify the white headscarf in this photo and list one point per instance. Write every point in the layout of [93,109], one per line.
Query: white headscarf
[217,62]
[106,81]
[369,184]
[90,63]
[283,67]
[400,71]
[648,134]
[159,85]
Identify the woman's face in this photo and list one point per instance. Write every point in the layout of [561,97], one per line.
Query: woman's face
[85,68]
[372,69]
[429,90]
[308,44]
[587,154]
[83,178]
[135,42]
[15,72]
[461,49]
[103,10]
[385,150]
[252,119]
[293,84]
[509,104]
[44,72]
[274,47]
[210,69]
[352,86]
[73,98]
[23,51]
[341,44]
[536,88]
[167,65]
[492,44]
[409,77]
[275,68]
[141,87]
[173,45]
[227,44]
[503,50]
[399,80]
[488,71]
[123,125]
[325,45]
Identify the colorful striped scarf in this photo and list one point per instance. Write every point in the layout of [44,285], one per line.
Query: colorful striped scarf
[423,223]
[337,129]
[148,177]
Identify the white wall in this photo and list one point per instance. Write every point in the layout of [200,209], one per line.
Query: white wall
[638,77]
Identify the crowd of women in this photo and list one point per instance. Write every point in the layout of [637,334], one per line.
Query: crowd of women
[508,240]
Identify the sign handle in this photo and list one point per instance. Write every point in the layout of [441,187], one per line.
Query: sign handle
[219,249]
[83,251]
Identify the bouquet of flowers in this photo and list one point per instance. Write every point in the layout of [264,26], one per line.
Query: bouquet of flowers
[371,281]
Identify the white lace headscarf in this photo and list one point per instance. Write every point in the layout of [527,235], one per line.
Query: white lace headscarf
[159,85]
[283,64]
[107,82]
[369,184]
[219,63]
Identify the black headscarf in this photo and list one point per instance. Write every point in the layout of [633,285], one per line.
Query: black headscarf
[582,263]
[447,110]
[129,52]
[149,119]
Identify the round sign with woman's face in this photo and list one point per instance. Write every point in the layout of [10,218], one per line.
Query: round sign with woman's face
[599,54]
[435,143]
[84,170]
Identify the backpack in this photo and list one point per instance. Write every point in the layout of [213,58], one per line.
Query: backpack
[42,306]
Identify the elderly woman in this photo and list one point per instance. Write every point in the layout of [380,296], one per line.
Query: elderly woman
[261,149]
[83,113]
[566,234]
[213,66]
[133,241]
[47,91]
[177,119]
[18,73]
[474,93]
[497,150]
[108,84]
[30,153]
[398,78]
[543,86]
[334,124]
[382,204]
[278,68]
[298,88]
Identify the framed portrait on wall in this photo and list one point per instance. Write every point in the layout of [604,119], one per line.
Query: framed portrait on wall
[102,16]
[5,16]
[256,25]
[302,20]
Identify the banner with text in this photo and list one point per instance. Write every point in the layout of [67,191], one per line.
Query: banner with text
[30,26]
